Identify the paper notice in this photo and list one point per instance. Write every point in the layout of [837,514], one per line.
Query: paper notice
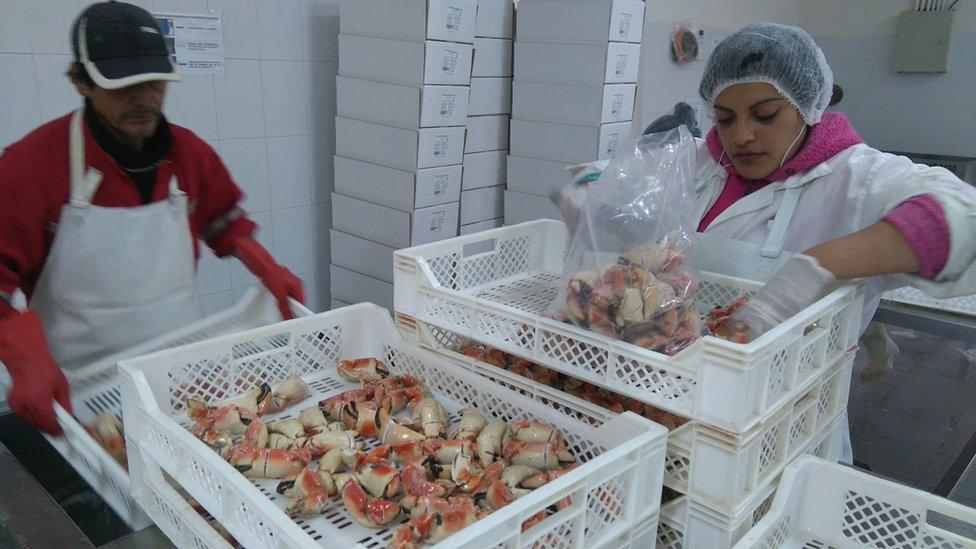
[195,42]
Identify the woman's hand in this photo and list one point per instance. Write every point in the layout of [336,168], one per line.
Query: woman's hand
[877,250]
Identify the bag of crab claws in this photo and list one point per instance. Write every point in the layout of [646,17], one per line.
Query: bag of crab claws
[629,271]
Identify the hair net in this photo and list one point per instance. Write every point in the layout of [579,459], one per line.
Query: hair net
[786,57]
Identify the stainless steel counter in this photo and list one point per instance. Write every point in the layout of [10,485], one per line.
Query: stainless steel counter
[29,516]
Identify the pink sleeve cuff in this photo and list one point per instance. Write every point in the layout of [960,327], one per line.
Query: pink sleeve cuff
[922,222]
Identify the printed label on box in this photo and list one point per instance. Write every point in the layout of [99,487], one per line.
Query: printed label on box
[617,104]
[624,24]
[450,63]
[441,143]
[621,65]
[448,103]
[441,181]
[612,142]
[454,19]
[437,221]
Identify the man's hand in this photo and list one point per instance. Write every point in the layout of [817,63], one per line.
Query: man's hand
[279,281]
[37,381]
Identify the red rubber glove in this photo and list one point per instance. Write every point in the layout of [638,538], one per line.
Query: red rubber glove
[278,280]
[37,380]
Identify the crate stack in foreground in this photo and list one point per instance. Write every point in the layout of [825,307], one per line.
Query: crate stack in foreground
[738,413]
[575,82]
[486,143]
[402,104]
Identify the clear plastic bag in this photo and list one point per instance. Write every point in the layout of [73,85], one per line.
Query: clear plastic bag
[629,273]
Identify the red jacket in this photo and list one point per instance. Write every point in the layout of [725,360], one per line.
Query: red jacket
[34,186]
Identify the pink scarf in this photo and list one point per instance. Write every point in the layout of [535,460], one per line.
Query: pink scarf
[832,135]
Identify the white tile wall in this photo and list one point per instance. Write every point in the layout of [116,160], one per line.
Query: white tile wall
[269,115]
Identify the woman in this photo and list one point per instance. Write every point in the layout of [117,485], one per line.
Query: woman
[779,172]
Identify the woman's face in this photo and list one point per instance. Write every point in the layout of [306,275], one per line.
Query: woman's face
[758,128]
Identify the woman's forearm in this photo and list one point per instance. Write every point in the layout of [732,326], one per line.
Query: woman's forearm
[877,250]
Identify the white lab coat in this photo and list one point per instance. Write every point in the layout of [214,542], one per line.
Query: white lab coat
[847,193]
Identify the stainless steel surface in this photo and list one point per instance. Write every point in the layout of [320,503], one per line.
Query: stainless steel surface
[931,321]
[149,538]
[29,517]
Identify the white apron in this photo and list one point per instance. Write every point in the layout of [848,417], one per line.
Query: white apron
[114,277]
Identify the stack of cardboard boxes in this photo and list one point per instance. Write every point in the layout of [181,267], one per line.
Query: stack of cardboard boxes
[486,146]
[575,83]
[403,99]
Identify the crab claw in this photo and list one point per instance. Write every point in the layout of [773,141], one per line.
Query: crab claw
[393,433]
[257,400]
[545,477]
[497,496]
[363,369]
[291,391]
[545,456]
[309,492]
[368,511]
[533,431]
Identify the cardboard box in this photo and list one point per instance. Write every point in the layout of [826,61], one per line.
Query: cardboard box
[566,142]
[482,226]
[573,104]
[585,64]
[405,63]
[486,133]
[405,191]
[399,148]
[535,176]
[393,227]
[520,208]
[483,169]
[482,204]
[492,57]
[414,20]
[590,21]
[401,106]
[362,256]
[352,287]
[490,96]
[495,18]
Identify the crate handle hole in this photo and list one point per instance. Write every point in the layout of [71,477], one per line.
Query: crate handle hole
[952,525]
[479,247]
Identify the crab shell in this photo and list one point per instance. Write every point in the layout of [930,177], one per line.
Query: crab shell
[289,427]
[471,425]
[380,480]
[312,418]
[429,416]
[268,463]
[321,443]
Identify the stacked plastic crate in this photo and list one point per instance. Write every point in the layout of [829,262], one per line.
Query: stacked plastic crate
[486,145]
[743,411]
[402,103]
[576,68]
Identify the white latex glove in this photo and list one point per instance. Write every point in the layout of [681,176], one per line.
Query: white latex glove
[570,198]
[881,352]
[798,284]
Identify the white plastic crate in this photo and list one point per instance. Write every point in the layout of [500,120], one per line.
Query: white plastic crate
[963,305]
[620,456]
[642,536]
[714,466]
[499,297]
[826,505]
[689,524]
[95,389]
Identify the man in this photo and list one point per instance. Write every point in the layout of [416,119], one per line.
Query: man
[101,213]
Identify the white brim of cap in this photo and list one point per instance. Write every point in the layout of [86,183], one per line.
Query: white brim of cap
[103,82]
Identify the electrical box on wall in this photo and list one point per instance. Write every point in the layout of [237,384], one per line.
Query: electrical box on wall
[922,41]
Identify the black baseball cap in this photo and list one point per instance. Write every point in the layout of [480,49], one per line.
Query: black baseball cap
[120,44]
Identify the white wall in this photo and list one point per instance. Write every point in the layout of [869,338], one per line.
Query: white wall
[270,116]
[921,113]
[664,82]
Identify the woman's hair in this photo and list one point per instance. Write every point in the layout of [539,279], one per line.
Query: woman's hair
[836,95]
[76,73]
